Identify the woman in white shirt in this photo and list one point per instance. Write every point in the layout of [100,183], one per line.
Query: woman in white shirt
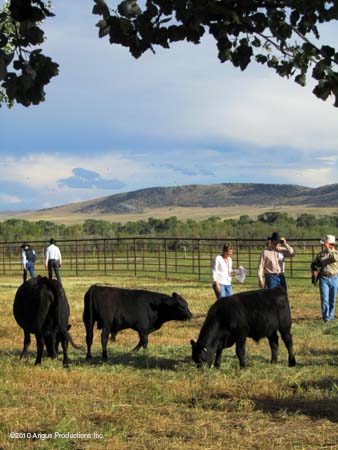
[221,271]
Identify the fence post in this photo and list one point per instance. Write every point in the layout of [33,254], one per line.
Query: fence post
[237,253]
[143,267]
[112,256]
[3,259]
[199,258]
[84,257]
[135,256]
[165,259]
[249,268]
[76,260]
[104,257]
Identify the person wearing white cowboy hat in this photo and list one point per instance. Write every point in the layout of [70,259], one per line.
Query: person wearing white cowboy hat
[327,261]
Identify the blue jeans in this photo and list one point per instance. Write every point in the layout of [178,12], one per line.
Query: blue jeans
[274,280]
[226,290]
[328,288]
[30,269]
[54,264]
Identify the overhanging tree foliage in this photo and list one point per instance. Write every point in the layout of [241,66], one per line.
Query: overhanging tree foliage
[24,70]
[281,34]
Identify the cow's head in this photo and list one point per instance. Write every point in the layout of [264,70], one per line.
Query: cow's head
[201,354]
[182,311]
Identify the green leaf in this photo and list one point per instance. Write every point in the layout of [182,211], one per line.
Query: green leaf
[103,28]
[129,9]
[35,35]
[241,57]
[262,59]
[256,42]
[301,79]
[322,90]
[176,33]
[328,51]
[100,8]
[3,66]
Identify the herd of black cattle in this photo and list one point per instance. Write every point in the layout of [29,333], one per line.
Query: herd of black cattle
[41,308]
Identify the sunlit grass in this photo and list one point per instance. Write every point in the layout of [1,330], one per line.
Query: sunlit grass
[158,399]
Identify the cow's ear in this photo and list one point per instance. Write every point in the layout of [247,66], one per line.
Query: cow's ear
[193,343]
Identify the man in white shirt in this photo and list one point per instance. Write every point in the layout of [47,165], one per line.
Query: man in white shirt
[221,271]
[53,260]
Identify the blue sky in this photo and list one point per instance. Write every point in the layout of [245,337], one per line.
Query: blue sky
[112,124]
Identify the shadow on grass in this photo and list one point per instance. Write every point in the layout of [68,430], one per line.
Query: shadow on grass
[320,352]
[316,409]
[129,359]
[324,384]
[136,360]
[307,319]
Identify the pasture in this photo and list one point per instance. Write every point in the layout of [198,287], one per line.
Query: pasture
[157,399]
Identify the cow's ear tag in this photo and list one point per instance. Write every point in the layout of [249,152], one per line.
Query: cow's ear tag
[204,349]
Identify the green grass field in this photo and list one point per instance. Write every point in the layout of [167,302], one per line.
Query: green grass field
[157,399]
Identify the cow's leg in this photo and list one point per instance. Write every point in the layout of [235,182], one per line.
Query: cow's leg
[39,347]
[288,341]
[104,342]
[89,340]
[143,341]
[218,358]
[64,344]
[273,341]
[240,351]
[26,343]
[51,345]
[113,336]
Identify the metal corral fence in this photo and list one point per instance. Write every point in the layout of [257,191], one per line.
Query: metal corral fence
[188,259]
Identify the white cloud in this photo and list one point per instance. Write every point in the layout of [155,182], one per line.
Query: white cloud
[331,160]
[9,199]
[41,170]
[309,177]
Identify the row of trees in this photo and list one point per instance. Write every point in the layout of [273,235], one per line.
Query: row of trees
[304,226]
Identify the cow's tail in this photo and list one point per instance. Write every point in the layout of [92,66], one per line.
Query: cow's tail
[58,292]
[70,339]
[88,309]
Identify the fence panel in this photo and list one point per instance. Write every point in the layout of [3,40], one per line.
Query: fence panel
[166,257]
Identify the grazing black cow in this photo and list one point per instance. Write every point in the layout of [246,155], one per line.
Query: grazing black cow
[116,309]
[41,308]
[254,314]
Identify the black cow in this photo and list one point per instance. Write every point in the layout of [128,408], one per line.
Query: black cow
[41,308]
[116,309]
[254,314]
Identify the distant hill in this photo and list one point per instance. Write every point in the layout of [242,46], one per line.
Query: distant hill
[198,202]
[212,195]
